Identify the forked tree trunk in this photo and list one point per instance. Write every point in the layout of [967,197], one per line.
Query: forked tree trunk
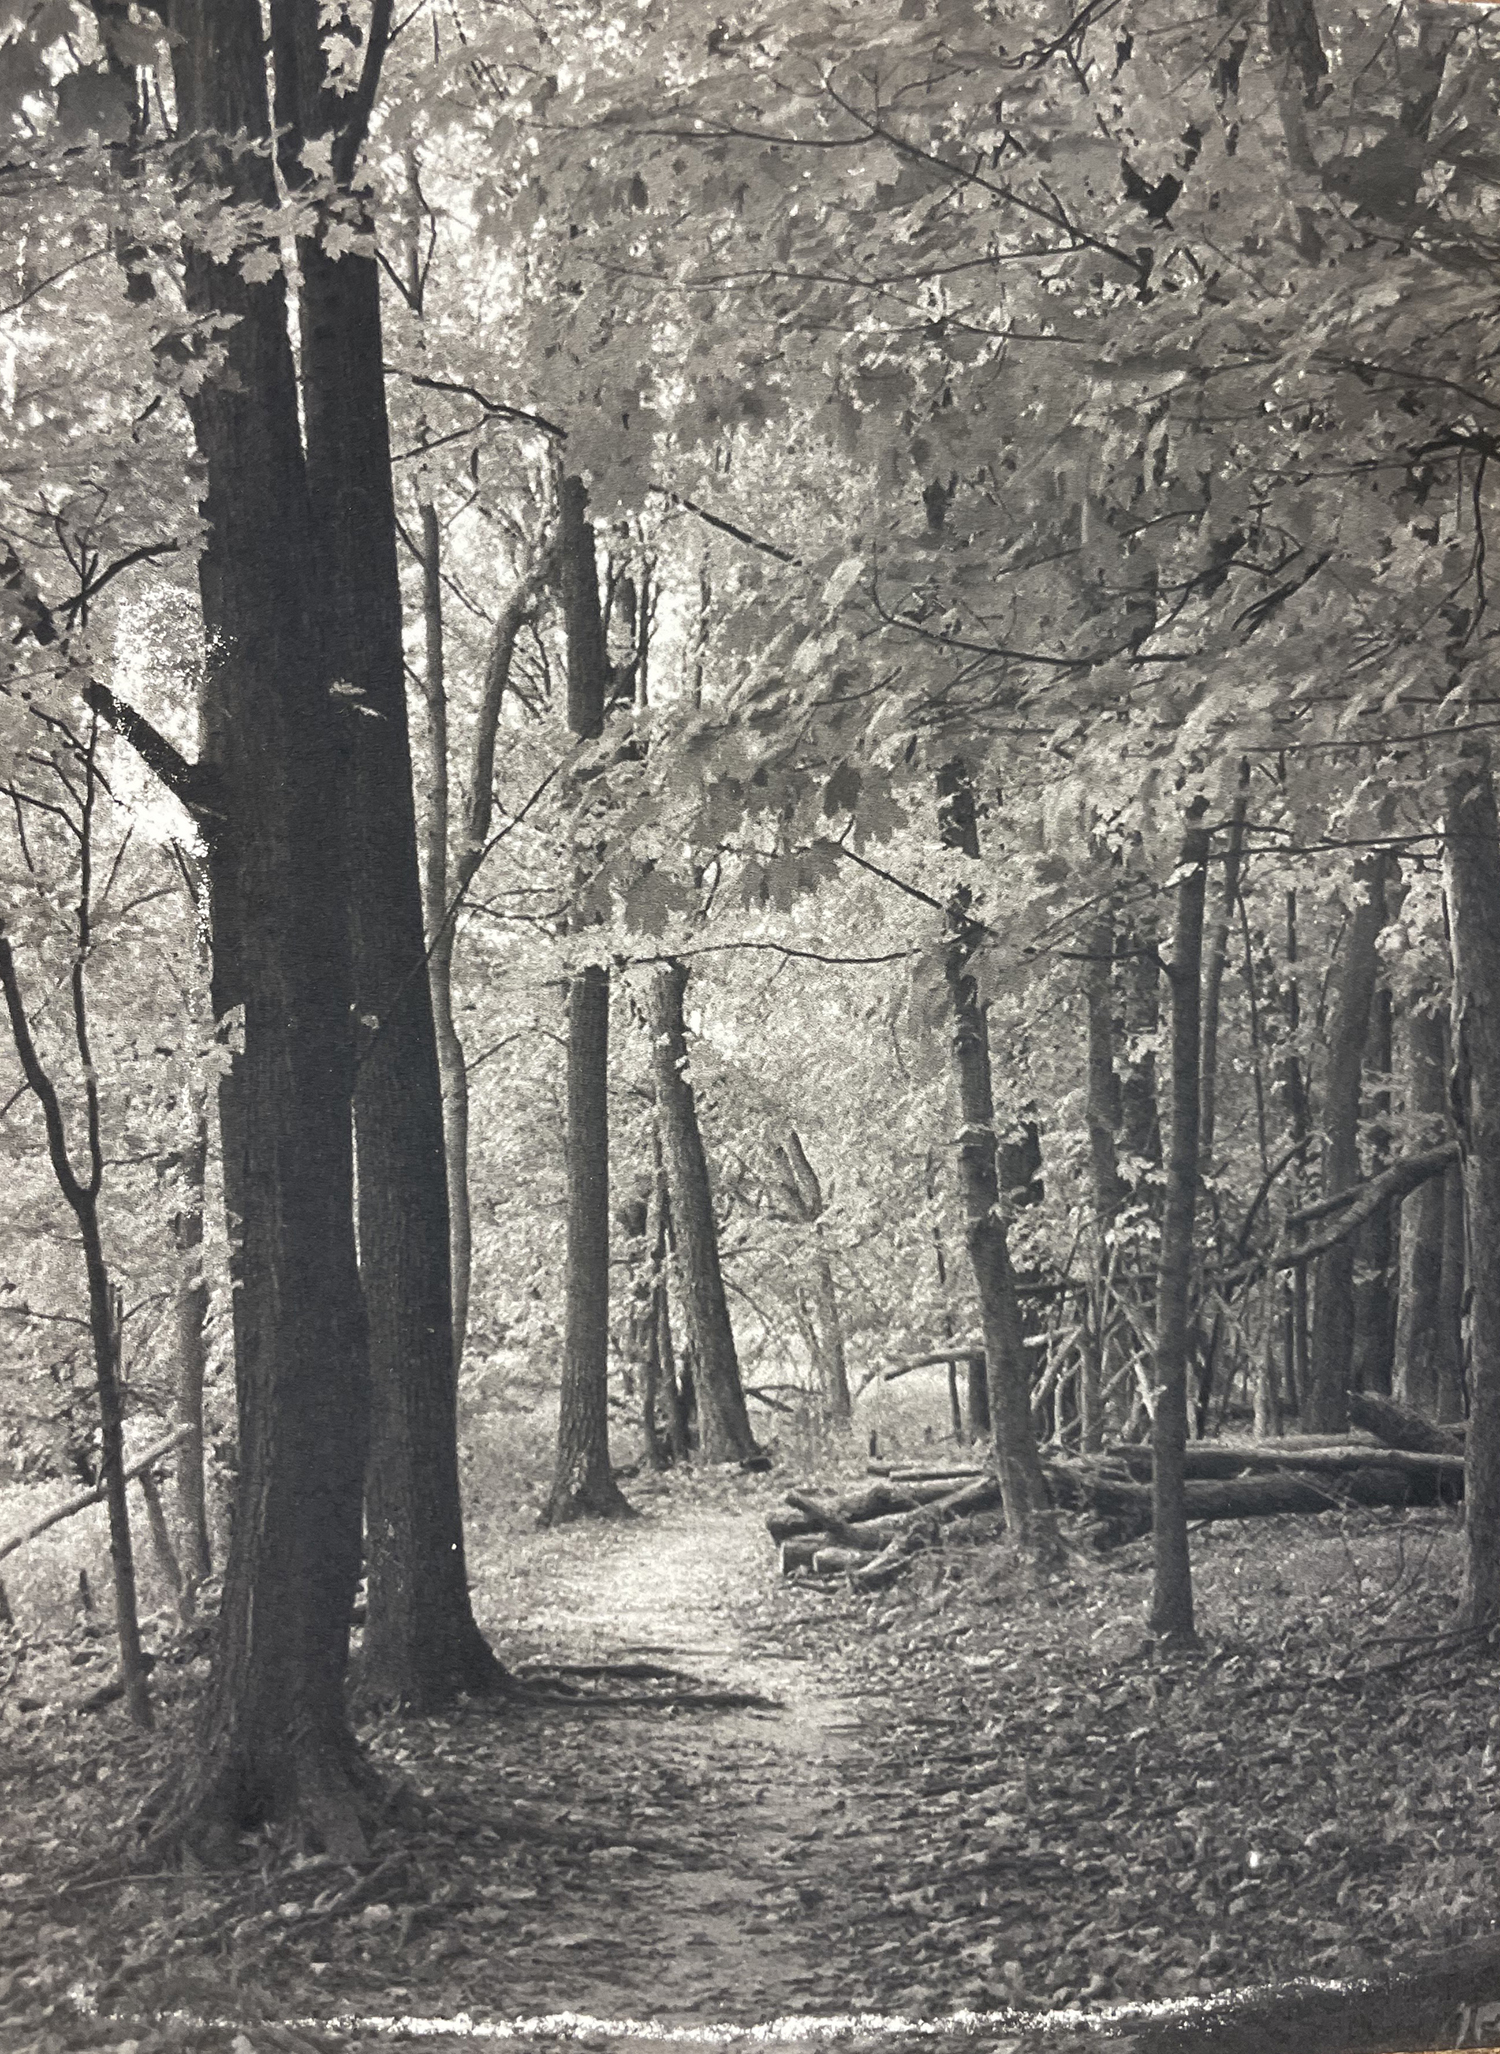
[422,1647]
[1471,875]
[1417,1331]
[1325,1405]
[723,1422]
[1172,1587]
[275,1743]
[1028,1508]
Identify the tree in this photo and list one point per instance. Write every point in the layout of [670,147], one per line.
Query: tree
[582,1482]
[1172,1589]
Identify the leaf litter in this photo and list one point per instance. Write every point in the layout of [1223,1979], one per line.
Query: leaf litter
[729,1799]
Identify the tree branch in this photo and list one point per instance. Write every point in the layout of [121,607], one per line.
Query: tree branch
[194,784]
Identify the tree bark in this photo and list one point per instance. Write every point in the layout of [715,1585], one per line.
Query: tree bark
[1028,1508]
[582,1482]
[1171,1613]
[1471,876]
[275,1743]
[1216,955]
[421,1644]
[804,1194]
[1375,1249]
[723,1422]
[1331,1354]
[1103,1115]
[190,1317]
[1452,1274]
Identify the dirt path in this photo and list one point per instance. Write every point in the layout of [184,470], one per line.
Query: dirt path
[738,1820]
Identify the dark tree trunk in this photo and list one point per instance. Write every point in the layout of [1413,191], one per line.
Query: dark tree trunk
[1471,874]
[190,1316]
[1103,1115]
[275,1743]
[1325,1407]
[582,1483]
[1417,1330]
[1375,1246]
[1028,1508]
[1452,1280]
[421,1645]
[1172,1587]
[723,1422]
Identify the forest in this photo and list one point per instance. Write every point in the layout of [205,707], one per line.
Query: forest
[750,1096]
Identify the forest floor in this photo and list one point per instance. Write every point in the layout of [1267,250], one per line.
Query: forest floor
[962,1796]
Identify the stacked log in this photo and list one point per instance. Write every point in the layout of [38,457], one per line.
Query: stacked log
[871,1535]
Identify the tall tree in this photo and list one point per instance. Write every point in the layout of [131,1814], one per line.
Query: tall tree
[1325,1403]
[582,1481]
[421,1644]
[1471,876]
[1417,1333]
[723,1422]
[1172,1585]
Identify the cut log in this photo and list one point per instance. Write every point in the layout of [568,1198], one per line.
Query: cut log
[1126,1507]
[826,1519]
[798,1552]
[953,1474]
[1398,1428]
[837,1561]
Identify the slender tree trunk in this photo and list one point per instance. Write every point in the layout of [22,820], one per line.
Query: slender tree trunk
[583,1484]
[1325,1402]
[1417,1330]
[804,1195]
[1139,1117]
[1452,1277]
[1375,1245]
[1215,956]
[1172,1589]
[1103,1114]
[190,1316]
[1471,875]
[723,1422]
[1023,1489]
[275,1744]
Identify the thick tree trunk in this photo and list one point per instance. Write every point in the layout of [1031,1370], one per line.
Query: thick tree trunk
[1375,1249]
[1471,875]
[1324,1404]
[723,1422]
[582,1482]
[1422,1219]
[1172,1586]
[421,1644]
[275,1743]
[1028,1509]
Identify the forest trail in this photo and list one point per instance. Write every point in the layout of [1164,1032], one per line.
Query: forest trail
[715,1926]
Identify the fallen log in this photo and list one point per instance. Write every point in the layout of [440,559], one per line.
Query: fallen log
[1220,1462]
[1126,1507]
[870,1503]
[835,1561]
[1399,1428]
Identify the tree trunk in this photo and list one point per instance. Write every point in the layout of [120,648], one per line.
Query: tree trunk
[1028,1508]
[275,1744]
[1325,1406]
[1422,1219]
[1103,1115]
[1471,876]
[1375,1248]
[1452,1277]
[422,1647]
[1172,1588]
[723,1422]
[804,1193]
[190,1314]
[1216,955]
[1140,1121]
[582,1482]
